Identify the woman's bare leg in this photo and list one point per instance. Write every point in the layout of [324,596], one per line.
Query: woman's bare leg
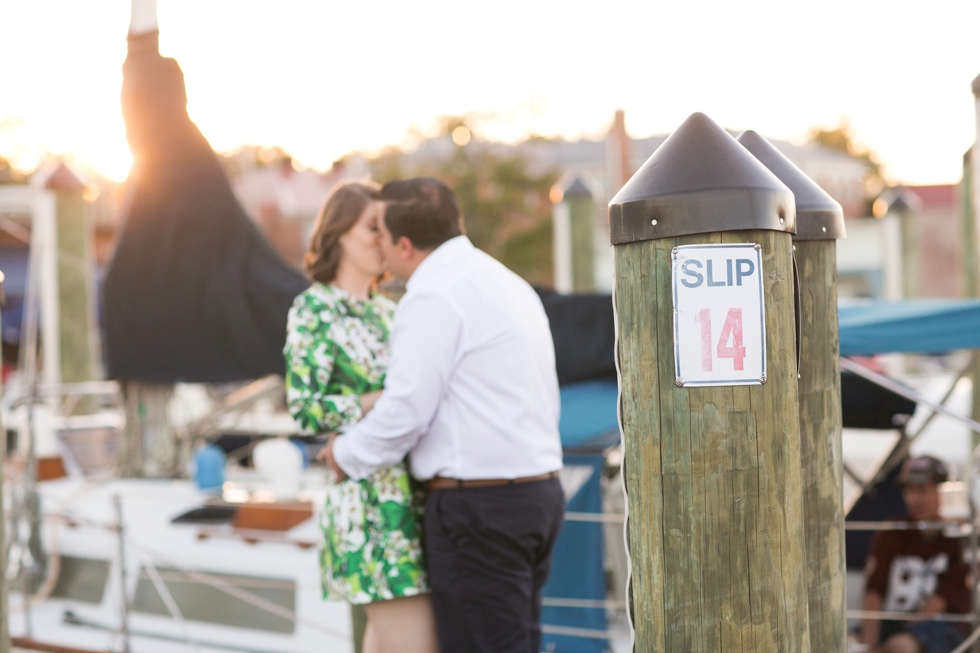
[370,643]
[401,626]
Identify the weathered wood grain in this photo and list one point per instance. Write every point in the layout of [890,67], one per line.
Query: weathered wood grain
[76,324]
[820,432]
[640,414]
[713,474]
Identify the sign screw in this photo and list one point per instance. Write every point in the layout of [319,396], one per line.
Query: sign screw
[654,223]
[762,379]
[679,382]
[758,247]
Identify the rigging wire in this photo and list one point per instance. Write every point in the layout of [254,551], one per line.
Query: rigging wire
[214,582]
[168,600]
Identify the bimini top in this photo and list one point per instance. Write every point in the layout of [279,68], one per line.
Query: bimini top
[924,326]
[700,180]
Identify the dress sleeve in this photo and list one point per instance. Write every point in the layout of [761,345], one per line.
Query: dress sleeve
[310,357]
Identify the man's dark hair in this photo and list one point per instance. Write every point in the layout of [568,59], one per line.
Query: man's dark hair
[423,209]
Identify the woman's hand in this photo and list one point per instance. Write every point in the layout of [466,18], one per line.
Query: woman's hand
[325,456]
[368,400]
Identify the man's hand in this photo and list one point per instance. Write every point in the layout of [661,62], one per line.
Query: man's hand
[325,456]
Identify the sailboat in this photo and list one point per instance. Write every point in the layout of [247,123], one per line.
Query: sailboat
[133,555]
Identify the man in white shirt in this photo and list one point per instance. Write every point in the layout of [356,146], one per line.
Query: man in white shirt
[471,395]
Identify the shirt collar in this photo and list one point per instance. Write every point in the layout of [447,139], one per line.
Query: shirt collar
[444,254]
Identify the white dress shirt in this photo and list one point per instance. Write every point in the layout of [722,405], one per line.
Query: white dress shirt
[471,389]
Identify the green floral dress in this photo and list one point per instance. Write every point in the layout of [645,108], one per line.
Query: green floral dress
[336,350]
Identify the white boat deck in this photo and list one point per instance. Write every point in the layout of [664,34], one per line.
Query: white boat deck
[79,525]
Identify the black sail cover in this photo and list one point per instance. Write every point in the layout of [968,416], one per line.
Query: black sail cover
[194,292]
[583,329]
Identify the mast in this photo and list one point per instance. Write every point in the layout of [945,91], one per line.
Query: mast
[148,446]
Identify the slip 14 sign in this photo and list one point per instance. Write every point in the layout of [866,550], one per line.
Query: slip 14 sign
[719,315]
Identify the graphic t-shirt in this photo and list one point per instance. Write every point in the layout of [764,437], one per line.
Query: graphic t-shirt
[907,567]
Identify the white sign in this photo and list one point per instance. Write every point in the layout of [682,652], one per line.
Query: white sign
[719,315]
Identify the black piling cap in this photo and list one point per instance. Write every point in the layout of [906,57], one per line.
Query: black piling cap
[699,181]
[899,200]
[576,190]
[818,215]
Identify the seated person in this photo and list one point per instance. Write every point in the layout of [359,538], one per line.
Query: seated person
[916,571]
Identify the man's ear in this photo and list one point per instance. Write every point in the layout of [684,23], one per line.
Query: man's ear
[406,247]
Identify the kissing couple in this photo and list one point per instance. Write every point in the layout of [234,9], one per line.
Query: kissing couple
[454,391]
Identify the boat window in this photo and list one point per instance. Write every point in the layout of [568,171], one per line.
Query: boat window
[200,601]
[209,515]
[81,579]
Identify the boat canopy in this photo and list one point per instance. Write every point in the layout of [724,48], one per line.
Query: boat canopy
[925,326]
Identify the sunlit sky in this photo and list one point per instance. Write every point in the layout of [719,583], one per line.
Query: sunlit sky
[323,78]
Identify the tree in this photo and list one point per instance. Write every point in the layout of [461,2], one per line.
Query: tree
[249,157]
[842,139]
[9,174]
[505,207]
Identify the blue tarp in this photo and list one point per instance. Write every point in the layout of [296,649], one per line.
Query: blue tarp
[576,568]
[927,326]
[588,424]
[588,416]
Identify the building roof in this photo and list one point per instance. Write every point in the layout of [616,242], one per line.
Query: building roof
[294,194]
[936,196]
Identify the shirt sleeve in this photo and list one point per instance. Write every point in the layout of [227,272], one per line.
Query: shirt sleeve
[879,562]
[424,343]
[310,360]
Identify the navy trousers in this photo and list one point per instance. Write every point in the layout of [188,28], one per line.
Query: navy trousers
[489,554]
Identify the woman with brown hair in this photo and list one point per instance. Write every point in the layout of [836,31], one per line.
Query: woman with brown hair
[336,358]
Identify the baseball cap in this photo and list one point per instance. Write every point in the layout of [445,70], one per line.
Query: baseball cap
[923,469]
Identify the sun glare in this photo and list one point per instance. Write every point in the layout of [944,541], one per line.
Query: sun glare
[68,96]
[461,136]
[114,163]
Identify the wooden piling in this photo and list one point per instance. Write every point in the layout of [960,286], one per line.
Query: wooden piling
[75,282]
[581,213]
[574,241]
[713,478]
[819,222]
[820,432]
[971,276]
[4,584]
